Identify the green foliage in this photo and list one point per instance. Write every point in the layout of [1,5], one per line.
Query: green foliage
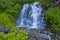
[9,10]
[52,17]
[21,35]
[46,2]
[10,7]
[6,20]
[13,11]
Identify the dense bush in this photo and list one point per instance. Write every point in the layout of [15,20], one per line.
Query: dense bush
[11,7]
[52,17]
[20,35]
[46,2]
[7,20]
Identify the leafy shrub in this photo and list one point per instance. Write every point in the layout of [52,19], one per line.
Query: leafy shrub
[21,35]
[11,7]
[52,17]
[7,20]
[45,2]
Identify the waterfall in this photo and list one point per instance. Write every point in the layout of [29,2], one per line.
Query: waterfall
[31,16]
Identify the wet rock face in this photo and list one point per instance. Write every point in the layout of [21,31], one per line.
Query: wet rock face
[35,34]
[55,37]
[38,36]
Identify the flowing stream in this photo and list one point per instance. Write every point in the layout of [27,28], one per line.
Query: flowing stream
[31,16]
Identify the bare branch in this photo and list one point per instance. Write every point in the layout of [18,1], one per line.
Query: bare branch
[57,2]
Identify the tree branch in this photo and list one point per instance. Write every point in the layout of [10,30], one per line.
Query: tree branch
[57,2]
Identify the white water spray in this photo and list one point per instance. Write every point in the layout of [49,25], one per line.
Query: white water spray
[31,16]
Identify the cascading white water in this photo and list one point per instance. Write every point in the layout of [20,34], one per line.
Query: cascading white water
[31,16]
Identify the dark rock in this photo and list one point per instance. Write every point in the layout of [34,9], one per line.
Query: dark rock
[43,36]
[46,32]
[1,29]
[6,30]
[24,28]
[35,34]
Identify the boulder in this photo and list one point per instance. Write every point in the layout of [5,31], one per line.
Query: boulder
[43,36]
[6,30]
[1,29]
